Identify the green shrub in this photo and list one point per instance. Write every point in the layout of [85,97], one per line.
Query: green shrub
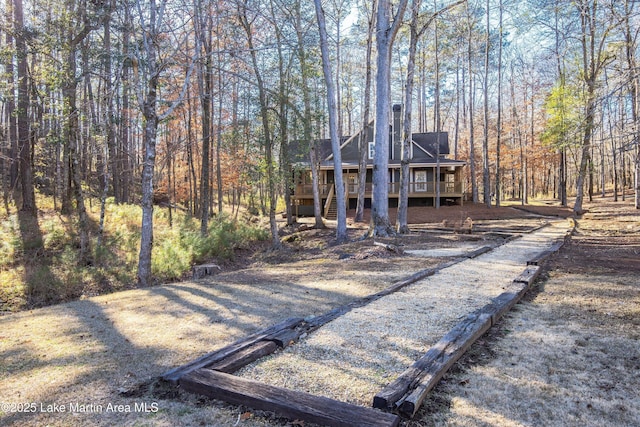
[170,261]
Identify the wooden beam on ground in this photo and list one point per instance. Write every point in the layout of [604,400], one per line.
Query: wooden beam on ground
[436,361]
[506,300]
[451,347]
[529,275]
[244,357]
[477,252]
[174,374]
[285,338]
[288,403]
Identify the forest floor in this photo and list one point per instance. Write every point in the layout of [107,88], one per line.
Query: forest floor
[566,355]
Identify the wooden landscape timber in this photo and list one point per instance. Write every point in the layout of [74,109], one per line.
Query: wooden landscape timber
[245,356]
[243,344]
[289,403]
[477,252]
[209,375]
[407,392]
[436,361]
[249,349]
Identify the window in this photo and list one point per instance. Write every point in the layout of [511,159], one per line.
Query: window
[372,150]
[420,177]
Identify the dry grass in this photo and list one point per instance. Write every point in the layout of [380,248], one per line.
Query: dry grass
[108,349]
[356,355]
[569,355]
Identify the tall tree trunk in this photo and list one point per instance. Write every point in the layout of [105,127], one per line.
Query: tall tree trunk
[149,140]
[592,65]
[307,119]
[363,142]
[405,152]
[386,33]
[264,113]
[416,31]
[498,190]
[24,138]
[486,179]
[13,158]
[341,227]
[634,83]
[122,156]
[204,46]
[472,157]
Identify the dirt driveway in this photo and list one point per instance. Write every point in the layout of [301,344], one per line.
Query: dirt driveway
[94,362]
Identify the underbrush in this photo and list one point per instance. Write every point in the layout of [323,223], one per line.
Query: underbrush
[39,257]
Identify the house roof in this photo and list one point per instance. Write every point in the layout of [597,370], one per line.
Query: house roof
[393,164]
[425,150]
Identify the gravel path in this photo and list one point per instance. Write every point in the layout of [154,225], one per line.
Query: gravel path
[353,357]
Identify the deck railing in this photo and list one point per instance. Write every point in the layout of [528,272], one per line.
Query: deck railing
[416,189]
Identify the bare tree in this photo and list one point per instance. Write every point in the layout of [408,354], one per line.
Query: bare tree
[341,228]
[151,64]
[247,25]
[486,177]
[363,141]
[417,26]
[23,156]
[386,31]
[594,58]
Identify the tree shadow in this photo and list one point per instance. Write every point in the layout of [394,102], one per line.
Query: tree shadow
[42,286]
[89,351]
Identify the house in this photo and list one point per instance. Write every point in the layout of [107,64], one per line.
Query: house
[423,177]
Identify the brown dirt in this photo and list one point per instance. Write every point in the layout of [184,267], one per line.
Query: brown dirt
[109,349]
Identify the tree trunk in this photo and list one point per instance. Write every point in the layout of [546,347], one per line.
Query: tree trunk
[405,153]
[472,159]
[204,46]
[486,180]
[386,33]
[341,227]
[498,187]
[10,108]
[363,142]
[307,118]
[264,112]
[24,139]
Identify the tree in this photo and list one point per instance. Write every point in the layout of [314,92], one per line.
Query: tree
[151,62]
[386,32]
[363,143]
[301,28]
[341,228]
[247,25]
[486,177]
[417,29]
[498,189]
[594,58]
[470,71]
[204,47]
[23,156]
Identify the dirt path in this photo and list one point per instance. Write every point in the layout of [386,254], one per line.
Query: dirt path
[353,357]
[102,354]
